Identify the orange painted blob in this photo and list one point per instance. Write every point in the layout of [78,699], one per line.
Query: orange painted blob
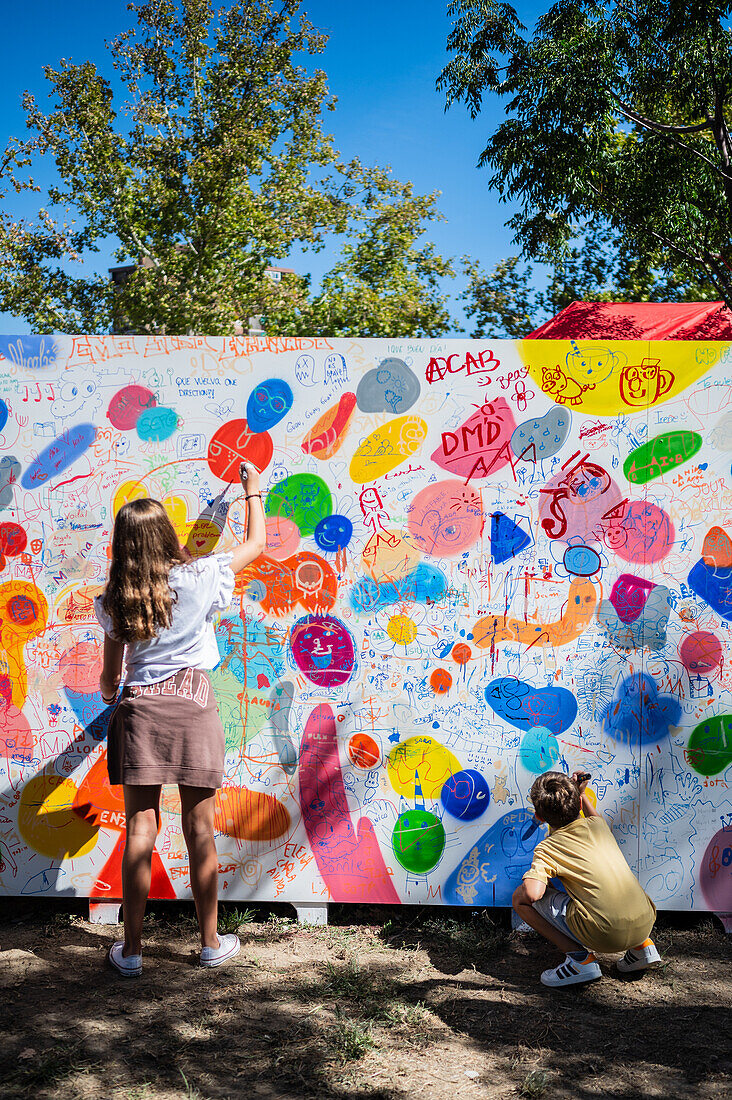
[327,434]
[363,751]
[461,653]
[250,815]
[440,681]
[23,615]
[97,802]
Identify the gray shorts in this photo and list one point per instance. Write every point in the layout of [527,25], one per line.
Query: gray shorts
[553,908]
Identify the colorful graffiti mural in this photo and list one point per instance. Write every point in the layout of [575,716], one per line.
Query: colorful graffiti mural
[483,561]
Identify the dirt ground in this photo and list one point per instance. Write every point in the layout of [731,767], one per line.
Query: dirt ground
[403,1003]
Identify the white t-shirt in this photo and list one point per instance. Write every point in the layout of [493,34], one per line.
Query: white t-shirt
[204,587]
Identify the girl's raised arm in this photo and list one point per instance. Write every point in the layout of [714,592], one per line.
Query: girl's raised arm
[256,540]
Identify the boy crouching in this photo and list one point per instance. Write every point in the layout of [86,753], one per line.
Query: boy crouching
[604,908]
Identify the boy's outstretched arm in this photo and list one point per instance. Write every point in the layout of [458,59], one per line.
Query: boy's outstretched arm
[587,808]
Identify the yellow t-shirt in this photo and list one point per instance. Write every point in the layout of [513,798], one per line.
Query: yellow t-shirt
[607,909]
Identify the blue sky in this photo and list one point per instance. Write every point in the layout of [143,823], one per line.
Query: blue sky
[382,61]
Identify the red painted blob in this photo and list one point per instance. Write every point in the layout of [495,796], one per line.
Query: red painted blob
[700,652]
[128,405]
[440,681]
[13,539]
[363,751]
[22,611]
[232,444]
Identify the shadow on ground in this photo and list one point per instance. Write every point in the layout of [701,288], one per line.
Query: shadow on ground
[424,1003]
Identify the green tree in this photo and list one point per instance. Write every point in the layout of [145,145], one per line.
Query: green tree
[215,165]
[386,282]
[617,113]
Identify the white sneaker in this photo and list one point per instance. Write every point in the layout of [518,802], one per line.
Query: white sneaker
[571,972]
[640,958]
[129,966]
[229,946]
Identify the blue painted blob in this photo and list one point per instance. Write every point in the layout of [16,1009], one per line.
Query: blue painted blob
[539,750]
[714,585]
[465,795]
[525,706]
[542,437]
[91,712]
[268,403]
[582,561]
[333,533]
[3,414]
[494,866]
[157,424]
[30,352]
[264,653]
[638,715]
[507,538]
[59,455]
[425,584]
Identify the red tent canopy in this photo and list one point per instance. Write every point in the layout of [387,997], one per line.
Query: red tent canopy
[638,321]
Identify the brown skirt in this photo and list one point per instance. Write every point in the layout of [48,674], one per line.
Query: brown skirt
[168,732]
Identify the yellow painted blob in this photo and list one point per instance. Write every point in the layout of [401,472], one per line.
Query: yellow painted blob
[387,447]
[421,757]
[177,511]
[401,629]
[606,378]
[128,490]
[47,822]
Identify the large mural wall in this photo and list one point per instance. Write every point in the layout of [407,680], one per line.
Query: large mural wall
[484,561]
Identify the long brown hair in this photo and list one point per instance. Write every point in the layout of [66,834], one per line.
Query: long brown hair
[144,548]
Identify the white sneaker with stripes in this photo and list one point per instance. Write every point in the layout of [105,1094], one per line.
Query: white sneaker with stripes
[572,972]
[640,958]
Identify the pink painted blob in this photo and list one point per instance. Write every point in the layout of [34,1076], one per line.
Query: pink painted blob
[645,534]
[128,405]
[715,871]
[350,862]
[323,650]
[283,537]
[446,518]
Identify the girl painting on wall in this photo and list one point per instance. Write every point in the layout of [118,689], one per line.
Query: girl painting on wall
[157,611]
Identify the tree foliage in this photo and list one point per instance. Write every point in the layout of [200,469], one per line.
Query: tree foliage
[617,113]
[514,298]
[215,165]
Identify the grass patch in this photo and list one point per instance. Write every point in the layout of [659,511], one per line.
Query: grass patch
[472,940]
[231,920]
[349,1040]
[351,980]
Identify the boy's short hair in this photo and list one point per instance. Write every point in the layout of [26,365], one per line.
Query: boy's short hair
[556,799]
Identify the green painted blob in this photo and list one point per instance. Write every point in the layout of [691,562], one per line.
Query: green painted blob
[710,745]
[418,840]
[243,714]
[303,498]
[659,455]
